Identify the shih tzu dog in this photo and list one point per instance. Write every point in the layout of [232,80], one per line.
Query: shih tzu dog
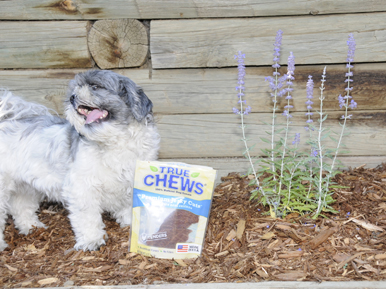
[85,161]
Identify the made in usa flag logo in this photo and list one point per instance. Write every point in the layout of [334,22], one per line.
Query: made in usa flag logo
[182,248]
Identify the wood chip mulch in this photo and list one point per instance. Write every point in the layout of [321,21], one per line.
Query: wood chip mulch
[243,244]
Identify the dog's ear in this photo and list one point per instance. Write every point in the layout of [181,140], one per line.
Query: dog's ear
[135,98]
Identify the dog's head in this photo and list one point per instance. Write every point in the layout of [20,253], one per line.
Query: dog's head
[97,99]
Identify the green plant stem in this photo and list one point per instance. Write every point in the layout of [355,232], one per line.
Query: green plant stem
[341,133]
[320,187]
[284,146]
[246,145]
[311,171]
[290,183]
[273,128]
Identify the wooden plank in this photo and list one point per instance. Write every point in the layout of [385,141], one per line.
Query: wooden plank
[202,91]
[218,135]
[224,166]
[313,40]
[67,9]
[213,90]
[57,44]
[155,9]
[47,87]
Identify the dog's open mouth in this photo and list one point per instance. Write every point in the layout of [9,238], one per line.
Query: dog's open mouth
[92,114]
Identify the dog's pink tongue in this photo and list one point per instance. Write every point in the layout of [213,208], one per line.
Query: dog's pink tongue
[95,115]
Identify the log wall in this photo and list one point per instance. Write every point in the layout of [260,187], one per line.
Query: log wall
[181,53]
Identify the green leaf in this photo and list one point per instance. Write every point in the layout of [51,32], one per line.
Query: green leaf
[195,175]
[265,140]
[154,169]
[324,118]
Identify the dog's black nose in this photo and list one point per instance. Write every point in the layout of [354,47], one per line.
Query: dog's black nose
[72,99]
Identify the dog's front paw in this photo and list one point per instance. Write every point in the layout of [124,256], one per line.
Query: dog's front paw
[25,226]
[3,245]
[124,218]
[86,243]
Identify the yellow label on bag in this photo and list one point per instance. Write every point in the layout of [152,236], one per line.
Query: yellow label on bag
[171,204]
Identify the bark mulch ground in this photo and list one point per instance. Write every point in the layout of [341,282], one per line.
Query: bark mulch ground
[243,244]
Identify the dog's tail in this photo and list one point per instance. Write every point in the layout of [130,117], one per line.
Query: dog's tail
[13,107]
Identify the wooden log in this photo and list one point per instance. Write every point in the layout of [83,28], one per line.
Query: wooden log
[203,91]
[118,43]
[313,40]
[58,44]
[218,135]
[155,9]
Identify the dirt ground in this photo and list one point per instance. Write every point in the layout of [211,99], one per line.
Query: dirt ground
[242,244]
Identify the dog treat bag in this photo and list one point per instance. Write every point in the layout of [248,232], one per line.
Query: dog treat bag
[171,204]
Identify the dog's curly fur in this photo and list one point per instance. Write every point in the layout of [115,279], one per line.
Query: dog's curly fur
[85,161]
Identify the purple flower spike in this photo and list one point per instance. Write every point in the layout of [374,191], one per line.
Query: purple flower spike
[351,48]
[291,67]
[240,84]
[310,87]
[342,101]
[310,92]
[276,82]
[241,68]
[247,110]
[288,89]
[276,48]
[286,114]
[353,104]
[296,141]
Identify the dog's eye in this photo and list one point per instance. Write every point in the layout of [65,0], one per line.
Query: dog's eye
[95,87]
[72,98]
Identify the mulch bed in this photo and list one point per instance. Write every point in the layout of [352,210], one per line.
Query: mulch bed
[243,244]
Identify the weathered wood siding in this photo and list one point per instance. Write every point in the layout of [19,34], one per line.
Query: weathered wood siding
[190,73]
[54,44]
[166,9]
[212,42]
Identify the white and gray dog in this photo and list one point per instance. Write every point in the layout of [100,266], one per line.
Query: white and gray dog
[85,161]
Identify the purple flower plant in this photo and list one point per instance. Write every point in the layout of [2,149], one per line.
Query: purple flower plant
[240,84]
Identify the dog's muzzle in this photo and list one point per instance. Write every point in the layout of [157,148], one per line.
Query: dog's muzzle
[91,114]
